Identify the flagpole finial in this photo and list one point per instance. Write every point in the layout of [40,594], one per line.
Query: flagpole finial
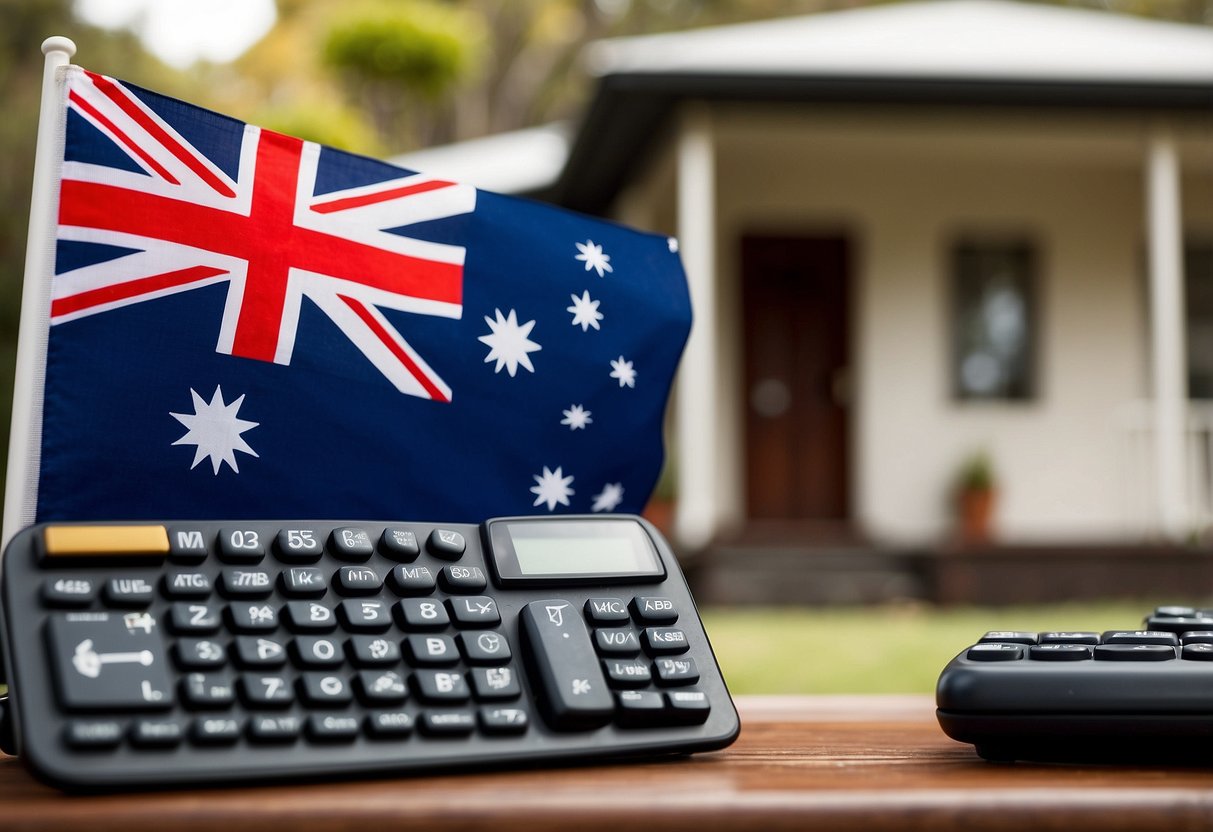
[58,43]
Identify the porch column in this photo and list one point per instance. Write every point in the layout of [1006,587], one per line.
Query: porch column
[1164,241]
[696,420]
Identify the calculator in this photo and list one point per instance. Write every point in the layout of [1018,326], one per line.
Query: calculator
[149,654]
[1114,696]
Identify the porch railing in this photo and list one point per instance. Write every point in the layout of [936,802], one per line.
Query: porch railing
[1142,510]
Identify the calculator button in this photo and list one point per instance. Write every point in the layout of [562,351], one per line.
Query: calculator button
[357,580]
[1197,652]
[495,683]
[369,615]
[298,546]
[1176,624]
[460,579]
[1175,612]
[68,592]
[447,723]
[575,694]
[995,652]
[627,673]
[208,690]
[431,650]
[187,584]
[93,733]
[108,660]
[309,616]
[303,582]
[241,546]
[312,651]
[1140,637]
[1059,652]
[411,580]
[654,610]
[690,706]
[194,618]
[351,544]
[606,611]
[381,687]
[266,691]
[1134,652]
[374,650]
[676,671]
[199,654]
[639,707]
[257,651]
[399,545]
[246,583]
[216,730]
[1008,637]
[1069,638]
[187,545]
[484,647]
[1197,637]
[617,642]
[118,541]
[421,613]
[446,544]
[475,610]
[274,728]
[503,720]
[332,727]
[663,640]
[384,724]
[129,592]
[257,617]
[156,733]
[441,686]
[325,689]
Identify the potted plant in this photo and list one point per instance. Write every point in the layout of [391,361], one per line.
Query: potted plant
[976,497]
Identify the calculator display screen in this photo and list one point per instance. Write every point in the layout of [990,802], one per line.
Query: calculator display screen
[574,549]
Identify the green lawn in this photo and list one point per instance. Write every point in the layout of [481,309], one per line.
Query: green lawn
[885,649]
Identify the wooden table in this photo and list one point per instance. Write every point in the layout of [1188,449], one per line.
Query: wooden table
[803,763]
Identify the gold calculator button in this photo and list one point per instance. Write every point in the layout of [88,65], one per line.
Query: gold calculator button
[78,541]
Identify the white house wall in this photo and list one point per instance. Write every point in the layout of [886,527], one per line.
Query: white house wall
[903,189]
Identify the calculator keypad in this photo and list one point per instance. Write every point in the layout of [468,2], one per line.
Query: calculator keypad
[263,638]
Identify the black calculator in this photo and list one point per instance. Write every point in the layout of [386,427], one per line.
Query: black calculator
[148,654]
[1117,696]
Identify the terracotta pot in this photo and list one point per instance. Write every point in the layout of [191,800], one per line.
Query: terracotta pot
[977,515]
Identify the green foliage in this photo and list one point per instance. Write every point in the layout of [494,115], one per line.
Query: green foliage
[419,47]
[976,474]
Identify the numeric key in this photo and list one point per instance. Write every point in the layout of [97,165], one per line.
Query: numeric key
[241,546]
[298,546]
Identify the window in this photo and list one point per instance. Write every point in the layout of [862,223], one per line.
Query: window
[993,320]
[1198,300]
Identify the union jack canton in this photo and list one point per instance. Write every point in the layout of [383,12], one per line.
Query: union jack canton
[245,324]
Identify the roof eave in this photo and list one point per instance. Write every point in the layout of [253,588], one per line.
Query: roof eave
[629,109]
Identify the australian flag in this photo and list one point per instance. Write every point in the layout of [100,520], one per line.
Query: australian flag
[244,324]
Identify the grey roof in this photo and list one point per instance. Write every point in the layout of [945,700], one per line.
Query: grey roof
[517,162]
[945,39]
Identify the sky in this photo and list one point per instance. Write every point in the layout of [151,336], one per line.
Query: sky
[180,32]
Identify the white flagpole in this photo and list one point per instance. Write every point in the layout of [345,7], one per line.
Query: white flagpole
[25,437]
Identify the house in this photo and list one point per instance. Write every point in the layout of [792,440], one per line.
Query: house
[915,233]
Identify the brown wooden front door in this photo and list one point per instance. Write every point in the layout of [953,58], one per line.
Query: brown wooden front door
[796,315]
